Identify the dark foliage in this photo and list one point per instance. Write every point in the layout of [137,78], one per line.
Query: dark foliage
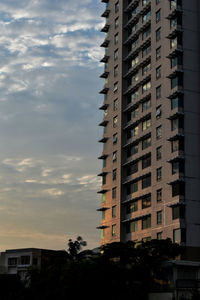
[120,270]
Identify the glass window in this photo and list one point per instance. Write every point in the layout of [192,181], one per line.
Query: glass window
[146,105]
[146,162]
[103,215]
[134,96]
[132,169]
[146,222]
[178,188]
[175,167]
[146,143]
[159,217]
[116,7]
[146,16]
[132,188]
[173,42]
[158,153]
[177,236]
[132,207]
[116,38]
[158,34]
[115,121]
[146,50]
[115,104]
[133,114]
[158,112]
[146,69]
[116,54]
[114,193]
[159,132]
[102,233]
[158,53]
[158,92]
[114,138]
[115,156]
[146,86]
[115,87]
[175,145]
[158,14]
[114,174]
[158,72]
[178,212]
[132,150]
[159,236]
[146,124]
[114,230]
[146,181]
[131,226]
[134,61]
[114,211]
[174,124]
[146,32]
[146,202]
[159,174]
[115,70]
[116,22]
[159,195]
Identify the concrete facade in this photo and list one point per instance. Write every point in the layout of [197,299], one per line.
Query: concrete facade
[151,125]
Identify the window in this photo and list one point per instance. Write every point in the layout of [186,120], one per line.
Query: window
[178,188]
[115,104]
[103,179]
[175,167]
[146,143]
[131,226]
[158,112]
[158,53]
[175,145]
[177,102]
[132,150]
[146,33]
[134,96]
[158,34]
[114,138]
[115,70]
[132,169]
[114,230]
[104,162]
[115,87]
[146,50]
[176,81]
[133,114]
[12,261]
[159,132]
[134,61]
[146,162]
[102,233]
[135,78]
[146,222]
[144,2]
[116,22]
[173,22]
[177,60]
[158,16]
[114,156]
[173,42]
[114,193]
[146,202]
[158,153]
[132,207]
[159,174]
[146,16]
[134,44]
[146,105]
[159,217]
[116,7]
[25,260]
[116,54]
[159,236]
[146,182]
[103,197]
[178,212]
[116,38]
[158,72]
[103,215]
[146,124]
[115,121]
[133,132]
[146,69]
[114,174]
[158,92]
[177,236]
[132,188]
[146,86]
[159,195]
[114,211]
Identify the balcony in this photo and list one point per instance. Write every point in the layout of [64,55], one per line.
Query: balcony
[137,139]
[106,13]
[139,119]
[103,140]
[104,106]
[131,88]
[105,28]
[135,34]
[136,103]
[104,59]
[104,90]
[132,70]
[105,1]
[131,5]
[174,12]
[105,43]
[137,49]
[104,74]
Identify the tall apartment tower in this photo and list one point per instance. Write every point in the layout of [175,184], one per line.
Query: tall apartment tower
[151,124]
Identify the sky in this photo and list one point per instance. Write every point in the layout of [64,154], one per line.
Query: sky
[49,99]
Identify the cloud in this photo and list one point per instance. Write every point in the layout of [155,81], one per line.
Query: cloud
[54,192]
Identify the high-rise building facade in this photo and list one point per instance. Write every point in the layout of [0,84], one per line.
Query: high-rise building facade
[151,124]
